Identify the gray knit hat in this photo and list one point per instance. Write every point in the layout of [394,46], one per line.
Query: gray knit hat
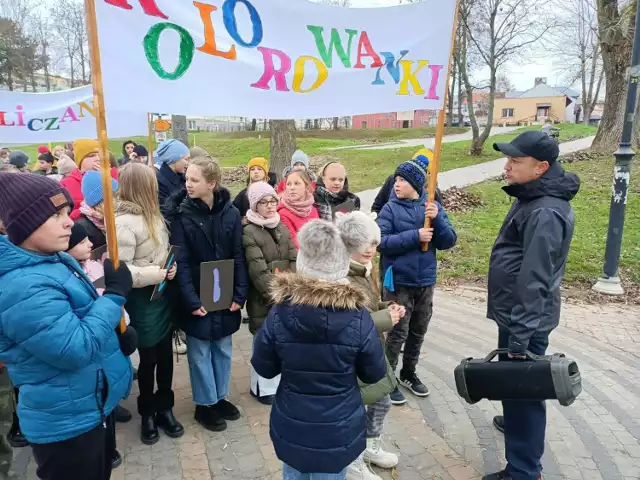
[326,248]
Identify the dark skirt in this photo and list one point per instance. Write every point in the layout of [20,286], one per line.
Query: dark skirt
[152,320]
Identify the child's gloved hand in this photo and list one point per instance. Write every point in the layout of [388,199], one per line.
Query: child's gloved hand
[118,282]
[128,340]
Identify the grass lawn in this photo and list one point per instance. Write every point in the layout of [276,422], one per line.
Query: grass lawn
[478,229]
[362,134]
[370,168]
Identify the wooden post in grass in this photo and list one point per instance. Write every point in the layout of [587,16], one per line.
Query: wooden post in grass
[150,141]
[101,123]
[437,148]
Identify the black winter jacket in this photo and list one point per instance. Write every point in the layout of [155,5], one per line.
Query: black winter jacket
[529,257]
[321,338]
[169,183]
[205,235]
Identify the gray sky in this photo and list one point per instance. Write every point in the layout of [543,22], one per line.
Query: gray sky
[522,76]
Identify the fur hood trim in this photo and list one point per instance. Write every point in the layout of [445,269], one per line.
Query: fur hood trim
[123,208]
[300,290]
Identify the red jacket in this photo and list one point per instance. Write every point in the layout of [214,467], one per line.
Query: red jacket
[73,185]
[293,222]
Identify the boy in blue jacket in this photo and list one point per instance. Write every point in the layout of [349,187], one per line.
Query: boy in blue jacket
[410,273]
[58,338]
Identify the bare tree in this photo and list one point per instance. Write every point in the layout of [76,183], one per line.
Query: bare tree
[64,14]
[575,47]
[504,83]
[615,31]
[41,28]
[283,144]
[498,31]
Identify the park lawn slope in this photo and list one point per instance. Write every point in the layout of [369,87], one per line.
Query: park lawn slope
[477,229]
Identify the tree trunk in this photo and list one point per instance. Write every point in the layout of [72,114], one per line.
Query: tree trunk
[179,128]
[45,66]
[254,124]
[283,144]
[615,43]
[316,124]
[452,87]
[460,98]
[336,123]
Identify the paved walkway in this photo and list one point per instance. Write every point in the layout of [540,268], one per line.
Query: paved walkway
[439,437]
[426,142]
[463,177]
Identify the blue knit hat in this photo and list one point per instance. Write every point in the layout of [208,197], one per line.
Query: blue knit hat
[415,172]
[92,188]
[170,151]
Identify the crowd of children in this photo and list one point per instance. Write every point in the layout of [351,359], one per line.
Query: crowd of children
[326,346]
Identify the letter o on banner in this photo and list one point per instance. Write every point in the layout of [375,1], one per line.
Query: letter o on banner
[298,74]
[229,16]
[185,56]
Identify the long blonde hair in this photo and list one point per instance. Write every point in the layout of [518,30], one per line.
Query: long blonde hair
[139,185]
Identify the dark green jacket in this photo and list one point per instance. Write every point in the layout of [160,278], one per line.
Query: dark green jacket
[382,320]
[262,247]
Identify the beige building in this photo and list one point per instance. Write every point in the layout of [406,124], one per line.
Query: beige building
[535,106]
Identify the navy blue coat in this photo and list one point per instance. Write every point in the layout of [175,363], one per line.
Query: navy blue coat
[399,222]
[205,235]
[169,183]
[321,338]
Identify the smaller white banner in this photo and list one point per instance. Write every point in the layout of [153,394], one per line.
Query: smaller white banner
[28,118]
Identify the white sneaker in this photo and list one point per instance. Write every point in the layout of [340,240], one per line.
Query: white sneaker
[376,455]
[179,347]
[359,470]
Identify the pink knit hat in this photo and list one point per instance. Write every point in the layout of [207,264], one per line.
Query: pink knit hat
[257,191]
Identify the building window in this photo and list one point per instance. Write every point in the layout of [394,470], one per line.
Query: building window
[507,112]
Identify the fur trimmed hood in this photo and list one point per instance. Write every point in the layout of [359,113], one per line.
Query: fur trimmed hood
[124,207]
[299,290]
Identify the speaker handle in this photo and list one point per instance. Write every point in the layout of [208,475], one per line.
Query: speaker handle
[505,351]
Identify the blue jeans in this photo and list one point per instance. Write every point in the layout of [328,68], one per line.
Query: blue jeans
[524,423]
[209,369]
[290,473]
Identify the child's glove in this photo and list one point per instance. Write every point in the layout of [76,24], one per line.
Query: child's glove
[128,340]
[118,282]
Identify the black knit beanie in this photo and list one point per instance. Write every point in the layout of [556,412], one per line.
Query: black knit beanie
[27,201]
[78,234]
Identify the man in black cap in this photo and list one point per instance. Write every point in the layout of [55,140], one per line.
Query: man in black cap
[525,272]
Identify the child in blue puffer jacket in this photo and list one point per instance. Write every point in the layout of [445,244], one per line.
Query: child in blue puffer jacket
[410,273]
[57,336]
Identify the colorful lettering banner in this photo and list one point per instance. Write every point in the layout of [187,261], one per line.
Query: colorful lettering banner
[273,58]
[27,118]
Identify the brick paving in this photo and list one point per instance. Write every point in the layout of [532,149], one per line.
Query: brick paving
[438,437]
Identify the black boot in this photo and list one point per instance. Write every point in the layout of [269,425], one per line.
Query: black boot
[148,429]
[210,418]
[15,436]
[121,414]
[164,417]
[116,461]
[167,422]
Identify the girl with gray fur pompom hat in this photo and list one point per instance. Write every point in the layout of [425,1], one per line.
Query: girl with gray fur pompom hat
[320,336]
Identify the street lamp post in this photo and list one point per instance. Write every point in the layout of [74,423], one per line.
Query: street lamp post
[609,283]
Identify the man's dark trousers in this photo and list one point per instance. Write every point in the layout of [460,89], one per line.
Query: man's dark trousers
[524,422]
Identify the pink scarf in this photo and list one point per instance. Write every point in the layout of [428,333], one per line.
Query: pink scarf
[257,219]
[92,214]
[301,208]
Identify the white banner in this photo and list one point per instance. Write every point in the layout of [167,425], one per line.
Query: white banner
[273,58]
[28,118]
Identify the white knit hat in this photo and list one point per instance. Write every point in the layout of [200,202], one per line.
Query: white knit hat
[326,248]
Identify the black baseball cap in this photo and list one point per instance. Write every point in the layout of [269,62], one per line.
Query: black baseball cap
[534,144]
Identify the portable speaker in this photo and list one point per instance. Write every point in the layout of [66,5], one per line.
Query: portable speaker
[539,377]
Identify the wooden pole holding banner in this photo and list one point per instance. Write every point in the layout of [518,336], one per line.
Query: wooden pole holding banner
[437,148]
[150,142]
[101,123]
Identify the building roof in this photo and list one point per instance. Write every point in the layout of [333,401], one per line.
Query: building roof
[513,94]
[568,91]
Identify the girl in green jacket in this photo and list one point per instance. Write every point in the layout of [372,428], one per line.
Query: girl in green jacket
[385,315]
[268,248]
